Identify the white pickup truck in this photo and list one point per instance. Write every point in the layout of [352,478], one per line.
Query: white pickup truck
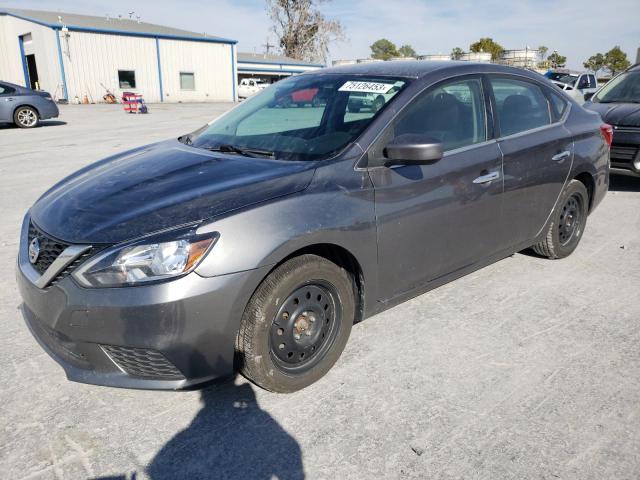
[577,85]
[250,86]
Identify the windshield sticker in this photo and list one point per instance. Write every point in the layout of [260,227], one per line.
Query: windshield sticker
[366,87]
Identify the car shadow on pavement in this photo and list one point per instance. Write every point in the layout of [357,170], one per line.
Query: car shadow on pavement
[622,183]
[230,437]
[43,123]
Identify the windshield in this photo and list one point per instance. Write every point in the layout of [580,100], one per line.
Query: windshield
[568,79]
[306,117]
[624,88]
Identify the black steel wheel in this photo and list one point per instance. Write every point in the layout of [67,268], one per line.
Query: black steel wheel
[567,224]
[305,327]
[570,218]
[296,324]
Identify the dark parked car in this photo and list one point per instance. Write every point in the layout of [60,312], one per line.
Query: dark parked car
[618,102]
[256,242]
[25,107]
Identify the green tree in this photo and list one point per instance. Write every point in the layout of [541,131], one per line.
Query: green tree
[543,51]
[456,53]
[489,46]
[406,51]
[383,49]
[615,60]
[595,63]
[557,60]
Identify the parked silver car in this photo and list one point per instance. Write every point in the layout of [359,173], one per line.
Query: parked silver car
[25,107]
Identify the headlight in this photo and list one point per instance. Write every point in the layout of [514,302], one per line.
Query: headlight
[145,261]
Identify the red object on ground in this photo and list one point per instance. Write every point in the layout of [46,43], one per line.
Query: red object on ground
[133,103]
[305,95]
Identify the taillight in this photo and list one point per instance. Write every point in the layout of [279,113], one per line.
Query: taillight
[607,133]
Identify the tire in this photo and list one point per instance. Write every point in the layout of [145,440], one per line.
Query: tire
[26,117]
[309,297]
[568,222]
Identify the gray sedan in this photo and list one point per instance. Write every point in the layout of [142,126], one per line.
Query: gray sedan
[25,107]
[257,241]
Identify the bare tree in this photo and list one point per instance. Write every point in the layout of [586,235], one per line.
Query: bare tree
[303,32]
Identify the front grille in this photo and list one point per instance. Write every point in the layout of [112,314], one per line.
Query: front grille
[50,249]
[143,362]
[623,154]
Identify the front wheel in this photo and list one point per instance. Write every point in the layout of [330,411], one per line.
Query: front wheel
[296,324]
[568,222]
[25,117]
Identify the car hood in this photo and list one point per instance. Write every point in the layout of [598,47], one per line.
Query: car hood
[617,114]
[158,187]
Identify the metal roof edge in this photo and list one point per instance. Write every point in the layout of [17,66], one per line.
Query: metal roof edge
[275,62]
[75,28]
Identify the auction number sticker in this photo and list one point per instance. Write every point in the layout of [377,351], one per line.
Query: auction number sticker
[365,87]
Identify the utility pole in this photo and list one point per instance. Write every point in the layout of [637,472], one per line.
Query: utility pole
[267,47]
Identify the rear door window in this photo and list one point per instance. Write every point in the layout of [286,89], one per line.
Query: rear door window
[6,90]
[520,105]
[558,105]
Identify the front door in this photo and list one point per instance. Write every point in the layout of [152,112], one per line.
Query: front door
[538,152]
[436,219]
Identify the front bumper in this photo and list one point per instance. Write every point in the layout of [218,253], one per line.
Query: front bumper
[625,151]
[168,335]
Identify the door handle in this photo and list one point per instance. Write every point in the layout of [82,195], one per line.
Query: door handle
[561,156]
[489,177]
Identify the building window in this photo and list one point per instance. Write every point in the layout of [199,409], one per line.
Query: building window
[187,81]
[127,78]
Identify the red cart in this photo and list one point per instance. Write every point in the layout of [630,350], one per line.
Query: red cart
[133,103]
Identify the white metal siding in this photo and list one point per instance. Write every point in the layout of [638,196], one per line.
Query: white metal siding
[95,58]
[211,64]
[43,46]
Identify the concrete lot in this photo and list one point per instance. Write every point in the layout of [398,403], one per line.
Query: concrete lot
[527,369]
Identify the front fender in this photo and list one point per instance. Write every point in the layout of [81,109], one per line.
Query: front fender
[330,211]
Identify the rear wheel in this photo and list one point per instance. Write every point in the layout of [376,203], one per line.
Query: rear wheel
[25,117]
[296,324]
[568,222]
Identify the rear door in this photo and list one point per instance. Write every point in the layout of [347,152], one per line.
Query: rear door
[537,149]
[435,219]
[7,102]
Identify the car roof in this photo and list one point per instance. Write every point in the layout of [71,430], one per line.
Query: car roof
[422,68]
[9,84]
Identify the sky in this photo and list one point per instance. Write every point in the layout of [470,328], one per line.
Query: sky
[576,29]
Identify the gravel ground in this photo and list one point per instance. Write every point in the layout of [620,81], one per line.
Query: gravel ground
[526,369]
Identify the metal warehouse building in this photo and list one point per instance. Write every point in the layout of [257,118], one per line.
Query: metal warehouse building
[76,55]
[271,67]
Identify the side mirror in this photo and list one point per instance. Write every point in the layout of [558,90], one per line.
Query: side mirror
[412,149]
[588,95]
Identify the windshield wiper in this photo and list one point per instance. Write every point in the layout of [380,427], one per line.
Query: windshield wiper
[619,100]
[247,152]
